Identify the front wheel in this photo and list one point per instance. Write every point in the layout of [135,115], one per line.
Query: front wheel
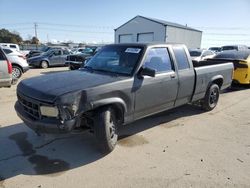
[211,98]
[44,64]
[105,128]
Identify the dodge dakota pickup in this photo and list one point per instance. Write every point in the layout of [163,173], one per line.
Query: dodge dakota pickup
[118,85]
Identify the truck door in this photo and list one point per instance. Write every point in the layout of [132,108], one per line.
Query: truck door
[155,94]
[186,75]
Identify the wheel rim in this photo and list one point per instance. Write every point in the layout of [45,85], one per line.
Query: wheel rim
[213,98]
[44,64]
[112,128]
[16,72]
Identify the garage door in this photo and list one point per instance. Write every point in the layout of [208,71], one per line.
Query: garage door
[145,37]
[125,38]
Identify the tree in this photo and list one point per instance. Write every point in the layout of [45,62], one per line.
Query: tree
[9,37]
[34,40]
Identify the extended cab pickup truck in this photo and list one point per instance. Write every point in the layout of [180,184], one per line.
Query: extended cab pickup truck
[118,85]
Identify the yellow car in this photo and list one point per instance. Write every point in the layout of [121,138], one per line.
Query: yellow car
[241,61]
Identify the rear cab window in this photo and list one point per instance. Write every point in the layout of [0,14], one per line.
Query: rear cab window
[181,58]
[159,60]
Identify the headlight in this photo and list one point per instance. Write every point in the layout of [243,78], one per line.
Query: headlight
[50,111]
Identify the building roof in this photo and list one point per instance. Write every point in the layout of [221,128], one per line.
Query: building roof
[165,23]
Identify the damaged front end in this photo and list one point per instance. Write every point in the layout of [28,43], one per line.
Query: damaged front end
[61,116]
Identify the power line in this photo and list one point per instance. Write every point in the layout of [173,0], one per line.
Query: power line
[71,25]
[77,31]
[227,34]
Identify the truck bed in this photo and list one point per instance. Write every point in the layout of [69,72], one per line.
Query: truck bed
[208,71]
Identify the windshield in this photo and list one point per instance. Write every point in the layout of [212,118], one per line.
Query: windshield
[116,59]
[50,51]
[195,53]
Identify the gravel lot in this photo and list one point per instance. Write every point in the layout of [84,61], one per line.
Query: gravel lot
[184,147]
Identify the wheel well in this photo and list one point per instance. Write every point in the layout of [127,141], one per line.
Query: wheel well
[218,81]
[118,108]
[14,64]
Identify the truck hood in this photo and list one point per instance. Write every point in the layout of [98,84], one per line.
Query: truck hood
[49,87]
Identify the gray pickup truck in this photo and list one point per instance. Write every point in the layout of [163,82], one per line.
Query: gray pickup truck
[120,84]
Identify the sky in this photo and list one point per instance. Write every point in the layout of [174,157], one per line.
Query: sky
[222,21]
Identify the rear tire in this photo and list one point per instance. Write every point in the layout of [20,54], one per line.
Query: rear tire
[105,128]
[44,64]
[211,98]
[16,72]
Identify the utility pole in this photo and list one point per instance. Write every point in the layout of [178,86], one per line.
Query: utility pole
[35,26]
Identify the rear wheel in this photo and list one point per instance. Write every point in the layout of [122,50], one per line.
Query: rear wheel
[16,72]
[44,64]
[105,129]
[211,98]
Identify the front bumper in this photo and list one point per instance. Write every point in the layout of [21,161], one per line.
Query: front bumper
[74,64]
[45,125]
[34,63]
[25,69]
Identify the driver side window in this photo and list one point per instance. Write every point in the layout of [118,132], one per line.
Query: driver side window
[159,60]
[57,53]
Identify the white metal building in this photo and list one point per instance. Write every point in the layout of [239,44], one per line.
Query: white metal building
[143,29]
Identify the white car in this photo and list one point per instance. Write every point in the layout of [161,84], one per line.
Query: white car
[200,55]
[18,61]
[5,70]
[10,45]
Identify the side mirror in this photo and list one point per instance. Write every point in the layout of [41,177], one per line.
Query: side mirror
[145,71]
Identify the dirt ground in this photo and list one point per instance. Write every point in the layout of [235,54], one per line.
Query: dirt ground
[184,147]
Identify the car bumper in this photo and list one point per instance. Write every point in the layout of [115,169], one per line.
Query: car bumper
[46,125]
[6,82]
[74,64]
[34,63]
[25,69]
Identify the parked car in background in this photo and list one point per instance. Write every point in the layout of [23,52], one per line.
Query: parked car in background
[53,57]
[77,50]
[34,53]
[200,55]
[241,61]
[5,70]
[215,49]
[10,45]
[234,47]
[18,61]
[75,61]
[14,47]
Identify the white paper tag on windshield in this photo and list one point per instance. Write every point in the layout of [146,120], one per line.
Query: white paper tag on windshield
[133,50]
